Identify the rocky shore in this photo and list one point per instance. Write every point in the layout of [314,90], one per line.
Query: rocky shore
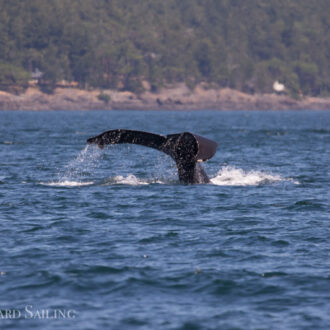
[177,97]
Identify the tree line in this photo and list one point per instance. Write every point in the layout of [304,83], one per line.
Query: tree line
[245,45]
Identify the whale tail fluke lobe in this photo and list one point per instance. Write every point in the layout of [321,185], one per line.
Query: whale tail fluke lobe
[185,148]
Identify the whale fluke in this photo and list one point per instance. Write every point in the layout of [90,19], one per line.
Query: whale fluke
[185,148]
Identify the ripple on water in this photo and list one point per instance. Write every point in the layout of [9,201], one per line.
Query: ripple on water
[307,205]
[114,235]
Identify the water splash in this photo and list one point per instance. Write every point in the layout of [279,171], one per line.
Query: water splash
[84,163]
[232,176]
[67,184]
[76,171]
[227,176]
[132,180]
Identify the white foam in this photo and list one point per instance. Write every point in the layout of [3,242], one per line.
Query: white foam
[232,176]
[130,179]
[67,184]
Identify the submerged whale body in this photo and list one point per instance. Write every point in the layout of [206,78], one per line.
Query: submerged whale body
[185,148]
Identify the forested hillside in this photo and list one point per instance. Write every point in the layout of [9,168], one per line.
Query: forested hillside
[241,44]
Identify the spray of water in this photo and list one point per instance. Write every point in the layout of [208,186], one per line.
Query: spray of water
[232,176]
[132,180]
[75,172]
[226,176]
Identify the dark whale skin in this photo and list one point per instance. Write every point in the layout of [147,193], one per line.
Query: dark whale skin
[185,148]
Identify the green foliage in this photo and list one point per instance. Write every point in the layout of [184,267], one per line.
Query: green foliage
[12,78]
[117,44]
[104,97]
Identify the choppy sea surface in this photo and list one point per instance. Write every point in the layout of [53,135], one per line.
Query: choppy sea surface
[109,239]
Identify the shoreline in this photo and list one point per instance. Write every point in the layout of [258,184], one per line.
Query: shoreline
[177,97]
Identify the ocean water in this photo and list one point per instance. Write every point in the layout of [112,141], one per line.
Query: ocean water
[109,239]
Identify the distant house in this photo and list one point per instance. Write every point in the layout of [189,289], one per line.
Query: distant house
[36,79]
[36,76]
[278,87]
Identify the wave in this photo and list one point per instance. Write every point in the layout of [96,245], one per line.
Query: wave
[232,176]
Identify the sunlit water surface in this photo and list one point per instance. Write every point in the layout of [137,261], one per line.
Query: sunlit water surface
[109,239]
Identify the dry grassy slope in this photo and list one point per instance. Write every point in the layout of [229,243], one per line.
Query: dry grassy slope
[173,97]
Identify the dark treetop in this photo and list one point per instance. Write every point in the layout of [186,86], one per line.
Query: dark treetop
[245,45]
